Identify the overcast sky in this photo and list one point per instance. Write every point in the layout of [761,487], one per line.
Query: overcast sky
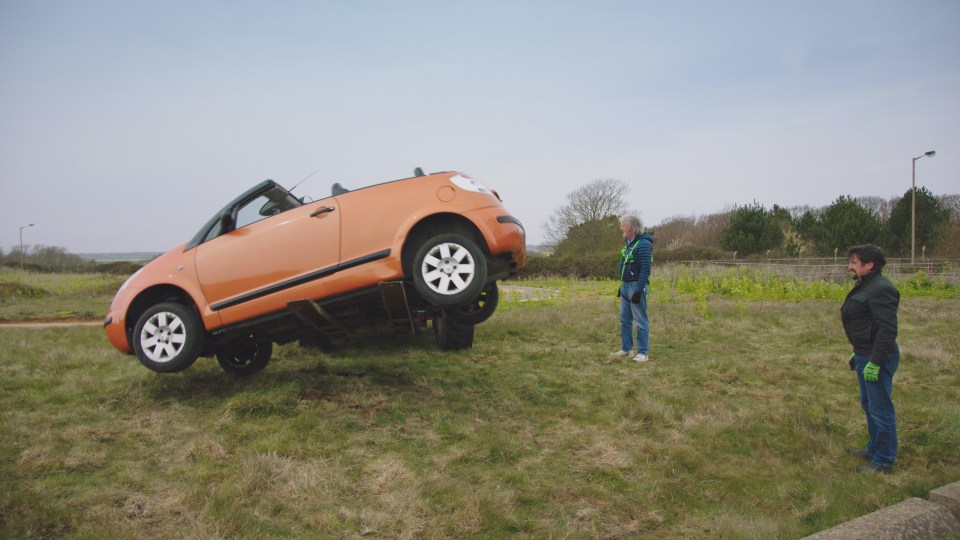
[124,125]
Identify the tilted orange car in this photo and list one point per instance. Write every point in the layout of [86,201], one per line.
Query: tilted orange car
[272,268]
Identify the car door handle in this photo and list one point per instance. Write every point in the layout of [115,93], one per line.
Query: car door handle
[323,211]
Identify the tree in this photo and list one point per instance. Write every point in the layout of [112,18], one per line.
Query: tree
[676,232]
[878,206]
[595,201]
[952,204]
[596,237]
[931,217]
[47,259]
[948,243]
[752,229]
[843,224]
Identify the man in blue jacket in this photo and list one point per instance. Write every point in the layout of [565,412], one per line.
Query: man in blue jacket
[634,272]
[869,316]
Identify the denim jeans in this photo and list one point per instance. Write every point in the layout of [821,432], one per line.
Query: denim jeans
[875,399]
[634,315]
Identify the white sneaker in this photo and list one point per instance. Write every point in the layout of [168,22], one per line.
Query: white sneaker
[640,357]
[620,353]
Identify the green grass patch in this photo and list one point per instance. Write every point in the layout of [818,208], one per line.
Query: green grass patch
[35,296]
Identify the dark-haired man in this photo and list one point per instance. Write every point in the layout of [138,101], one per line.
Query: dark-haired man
[869,316]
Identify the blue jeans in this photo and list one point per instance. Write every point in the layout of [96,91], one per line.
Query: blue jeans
[875,399]
[634,314]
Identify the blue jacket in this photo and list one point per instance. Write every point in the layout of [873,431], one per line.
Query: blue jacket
[635,260]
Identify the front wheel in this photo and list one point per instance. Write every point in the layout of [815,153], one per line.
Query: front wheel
[449,270]
[168,337]
[245,358]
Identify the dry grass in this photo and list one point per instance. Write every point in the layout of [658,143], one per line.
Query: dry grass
[735,429]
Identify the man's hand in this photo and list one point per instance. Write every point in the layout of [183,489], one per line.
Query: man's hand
[871,372]
[852,366]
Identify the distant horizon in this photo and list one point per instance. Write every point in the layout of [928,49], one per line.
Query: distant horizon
[133,253]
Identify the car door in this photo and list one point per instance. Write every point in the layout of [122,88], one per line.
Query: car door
[256,268]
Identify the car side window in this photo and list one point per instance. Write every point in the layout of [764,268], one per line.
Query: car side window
[251,212]
[271,203]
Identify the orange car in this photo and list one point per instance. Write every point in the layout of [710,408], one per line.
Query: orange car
[272,268]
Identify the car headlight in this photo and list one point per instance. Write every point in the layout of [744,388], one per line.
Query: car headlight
[463,181]
[129,279]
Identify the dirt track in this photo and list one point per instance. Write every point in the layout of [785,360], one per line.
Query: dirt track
[48,324]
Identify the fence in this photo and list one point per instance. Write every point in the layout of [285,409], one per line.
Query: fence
[835,269]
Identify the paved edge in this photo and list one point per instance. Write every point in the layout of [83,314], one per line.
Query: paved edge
[526,294]
[914,518]
[49,324]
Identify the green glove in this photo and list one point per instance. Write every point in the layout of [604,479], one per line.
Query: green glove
[871,372]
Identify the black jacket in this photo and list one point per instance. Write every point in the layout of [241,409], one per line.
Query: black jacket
[869,317]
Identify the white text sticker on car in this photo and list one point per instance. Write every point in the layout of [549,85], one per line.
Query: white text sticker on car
[465,182]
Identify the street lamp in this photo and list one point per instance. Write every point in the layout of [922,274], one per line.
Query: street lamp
[913,208]
[21,244]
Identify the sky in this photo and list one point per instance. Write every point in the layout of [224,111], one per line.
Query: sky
[125,125]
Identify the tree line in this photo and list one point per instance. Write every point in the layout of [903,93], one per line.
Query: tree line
[49,259]
[847,221]
[583,235]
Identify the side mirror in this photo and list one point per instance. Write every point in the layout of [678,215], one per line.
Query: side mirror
[227,223]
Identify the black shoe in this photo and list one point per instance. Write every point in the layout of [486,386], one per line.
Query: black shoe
[860,453]
[872,467]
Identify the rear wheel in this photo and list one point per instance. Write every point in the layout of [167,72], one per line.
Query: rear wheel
[452,335]
[168,337]
[480,308]
[449,270]
[246,357]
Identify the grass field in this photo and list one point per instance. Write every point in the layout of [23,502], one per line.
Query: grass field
[736,428]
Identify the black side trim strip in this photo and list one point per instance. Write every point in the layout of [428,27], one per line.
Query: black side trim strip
[312,276]
[247,325]
[509,219]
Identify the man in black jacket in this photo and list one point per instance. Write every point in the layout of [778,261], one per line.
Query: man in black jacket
[869,316]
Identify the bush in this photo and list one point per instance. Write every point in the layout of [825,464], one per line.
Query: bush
[690,253]
[12,291]
[589,266]
[602,266]
[118,268]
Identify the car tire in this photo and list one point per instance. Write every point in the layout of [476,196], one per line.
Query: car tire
[245,358]
[449,270]
[168,337]
[480,308]
[452,335]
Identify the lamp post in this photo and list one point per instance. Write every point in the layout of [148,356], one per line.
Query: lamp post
[21,244]
[913,208]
